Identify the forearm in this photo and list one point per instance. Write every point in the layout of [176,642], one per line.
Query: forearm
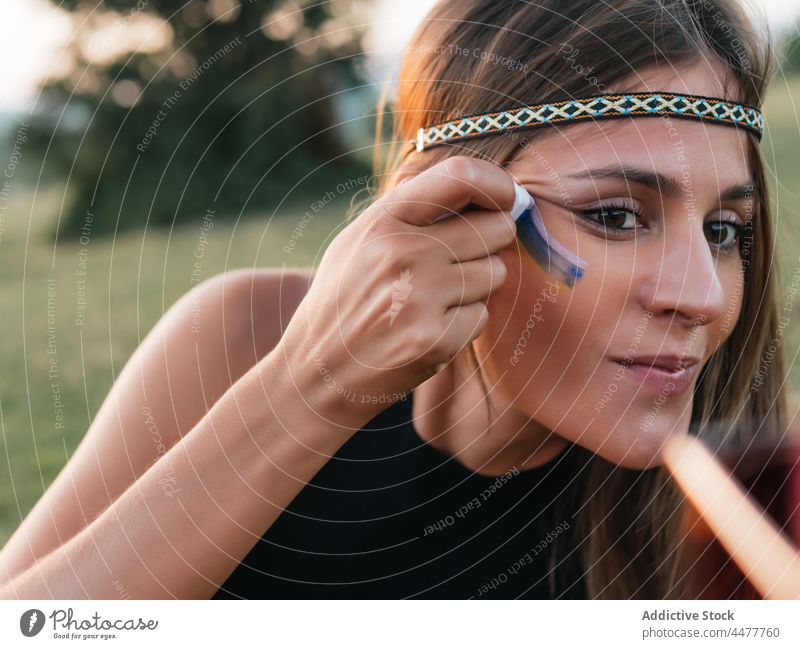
[187,522]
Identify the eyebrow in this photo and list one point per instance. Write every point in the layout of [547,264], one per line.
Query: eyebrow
[667,185]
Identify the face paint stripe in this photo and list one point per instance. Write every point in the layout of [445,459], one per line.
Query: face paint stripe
[550,254]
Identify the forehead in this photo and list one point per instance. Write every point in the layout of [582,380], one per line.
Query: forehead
[671,145]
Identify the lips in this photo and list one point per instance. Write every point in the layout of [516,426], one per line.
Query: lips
[668,362]
[669,374]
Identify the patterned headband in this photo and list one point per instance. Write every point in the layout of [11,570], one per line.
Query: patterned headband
[642,104]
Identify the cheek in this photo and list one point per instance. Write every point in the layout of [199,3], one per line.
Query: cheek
[540,333]
[546,347]
[733,287]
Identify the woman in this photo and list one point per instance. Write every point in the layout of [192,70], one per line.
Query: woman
[288,377]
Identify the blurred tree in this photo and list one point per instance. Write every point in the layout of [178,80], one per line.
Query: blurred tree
[162,109]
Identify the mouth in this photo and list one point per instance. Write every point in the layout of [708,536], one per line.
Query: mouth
[665,373]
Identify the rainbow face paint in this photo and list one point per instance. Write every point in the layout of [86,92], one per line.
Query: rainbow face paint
[551,255]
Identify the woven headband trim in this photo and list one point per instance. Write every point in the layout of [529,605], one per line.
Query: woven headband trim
[642,104]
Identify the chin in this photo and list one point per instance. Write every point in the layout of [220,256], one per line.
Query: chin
[629,446]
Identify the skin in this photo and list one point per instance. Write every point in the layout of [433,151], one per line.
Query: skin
[243,417]
[78,540]
[107,522]
[668,268]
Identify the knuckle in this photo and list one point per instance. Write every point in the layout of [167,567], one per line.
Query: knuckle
[371,225]
[463,168]
[373,231]
[384,209]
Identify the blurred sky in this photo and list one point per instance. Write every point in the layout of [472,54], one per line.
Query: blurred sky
[33,31]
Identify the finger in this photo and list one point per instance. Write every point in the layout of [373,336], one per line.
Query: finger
[464,324]
[473,281]
[474,234]
[448,186]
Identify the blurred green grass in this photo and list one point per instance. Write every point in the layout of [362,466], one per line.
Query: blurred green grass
[133,278]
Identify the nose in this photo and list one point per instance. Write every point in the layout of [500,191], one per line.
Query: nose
[680,277]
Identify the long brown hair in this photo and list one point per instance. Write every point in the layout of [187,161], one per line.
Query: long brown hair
[628,532]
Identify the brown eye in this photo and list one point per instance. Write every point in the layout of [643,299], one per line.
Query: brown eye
[723,233]
[612,217]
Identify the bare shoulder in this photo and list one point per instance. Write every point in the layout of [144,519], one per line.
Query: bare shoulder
[292,283]
[257,303]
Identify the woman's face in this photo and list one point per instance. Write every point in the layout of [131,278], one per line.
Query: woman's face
[657,208]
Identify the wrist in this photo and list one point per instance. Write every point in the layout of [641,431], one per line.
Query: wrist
[300,392]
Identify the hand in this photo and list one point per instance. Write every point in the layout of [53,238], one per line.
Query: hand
[398,294]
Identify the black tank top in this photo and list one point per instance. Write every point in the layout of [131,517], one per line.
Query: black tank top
[391,517]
